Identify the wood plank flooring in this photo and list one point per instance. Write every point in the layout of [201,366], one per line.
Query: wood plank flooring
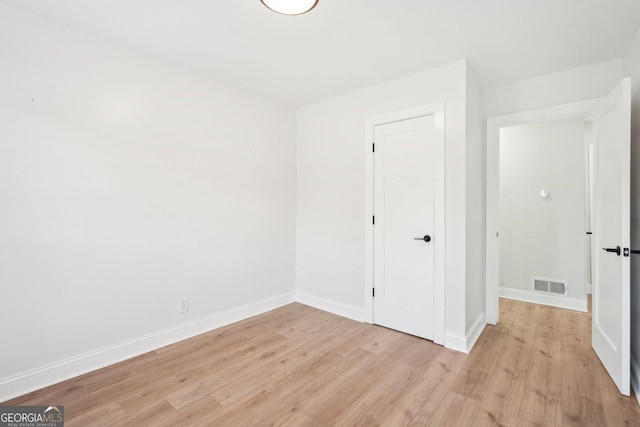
[298,366]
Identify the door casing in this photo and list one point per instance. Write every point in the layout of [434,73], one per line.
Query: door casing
[438,111]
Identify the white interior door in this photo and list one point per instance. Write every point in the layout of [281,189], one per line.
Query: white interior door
[611,300]
[404,225]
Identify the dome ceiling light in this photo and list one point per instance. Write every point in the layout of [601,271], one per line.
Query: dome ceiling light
[290,7]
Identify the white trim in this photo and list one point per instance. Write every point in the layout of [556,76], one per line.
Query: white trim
[455,342]
[38,378]
[588,147]
[576,304]
[635,378]
[589,288]
[338,308]
[584,108]
[476,329]
[438,110]
[464,343]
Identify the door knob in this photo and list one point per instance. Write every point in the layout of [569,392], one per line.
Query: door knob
[426,238]
[616,250]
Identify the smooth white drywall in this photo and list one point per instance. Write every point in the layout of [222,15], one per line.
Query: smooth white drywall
[126,184]
[577,84]
[331,187]
[543,237]
[475,203]
[633,69]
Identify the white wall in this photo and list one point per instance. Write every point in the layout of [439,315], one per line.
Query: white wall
[330,187]
[577,84]
[543,237]
[126,184]
[632,64]
[475,209]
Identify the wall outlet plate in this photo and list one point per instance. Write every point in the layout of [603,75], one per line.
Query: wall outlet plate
[183,305]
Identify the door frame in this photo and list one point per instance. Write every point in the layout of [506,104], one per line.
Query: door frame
[494,123]
[438,111]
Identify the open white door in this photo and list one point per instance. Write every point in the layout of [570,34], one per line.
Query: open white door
[611,299]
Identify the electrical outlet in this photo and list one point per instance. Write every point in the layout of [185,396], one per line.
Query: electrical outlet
[183,305]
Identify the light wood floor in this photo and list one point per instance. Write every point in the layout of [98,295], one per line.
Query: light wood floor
[300,366]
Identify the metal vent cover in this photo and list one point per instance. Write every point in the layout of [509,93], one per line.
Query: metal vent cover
[557,288]
[540,285]
[549,286]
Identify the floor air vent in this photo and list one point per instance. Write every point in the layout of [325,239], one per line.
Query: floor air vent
[550,286]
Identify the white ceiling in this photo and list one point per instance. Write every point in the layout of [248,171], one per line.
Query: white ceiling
[344,45]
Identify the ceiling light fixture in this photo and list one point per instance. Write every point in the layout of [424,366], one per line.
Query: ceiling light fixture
[290,7]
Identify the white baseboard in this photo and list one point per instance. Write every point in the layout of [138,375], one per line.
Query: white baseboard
[455,342]
[35,379]
[476,329]
[464,343]
[344,310]
[635,378]
[589,288]
[539,298]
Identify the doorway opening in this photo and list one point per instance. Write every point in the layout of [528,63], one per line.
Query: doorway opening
[611,116]
[577,111]
[544,212]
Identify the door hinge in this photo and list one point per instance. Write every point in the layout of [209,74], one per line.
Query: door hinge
[373,147]
[374,292]
[374,219]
